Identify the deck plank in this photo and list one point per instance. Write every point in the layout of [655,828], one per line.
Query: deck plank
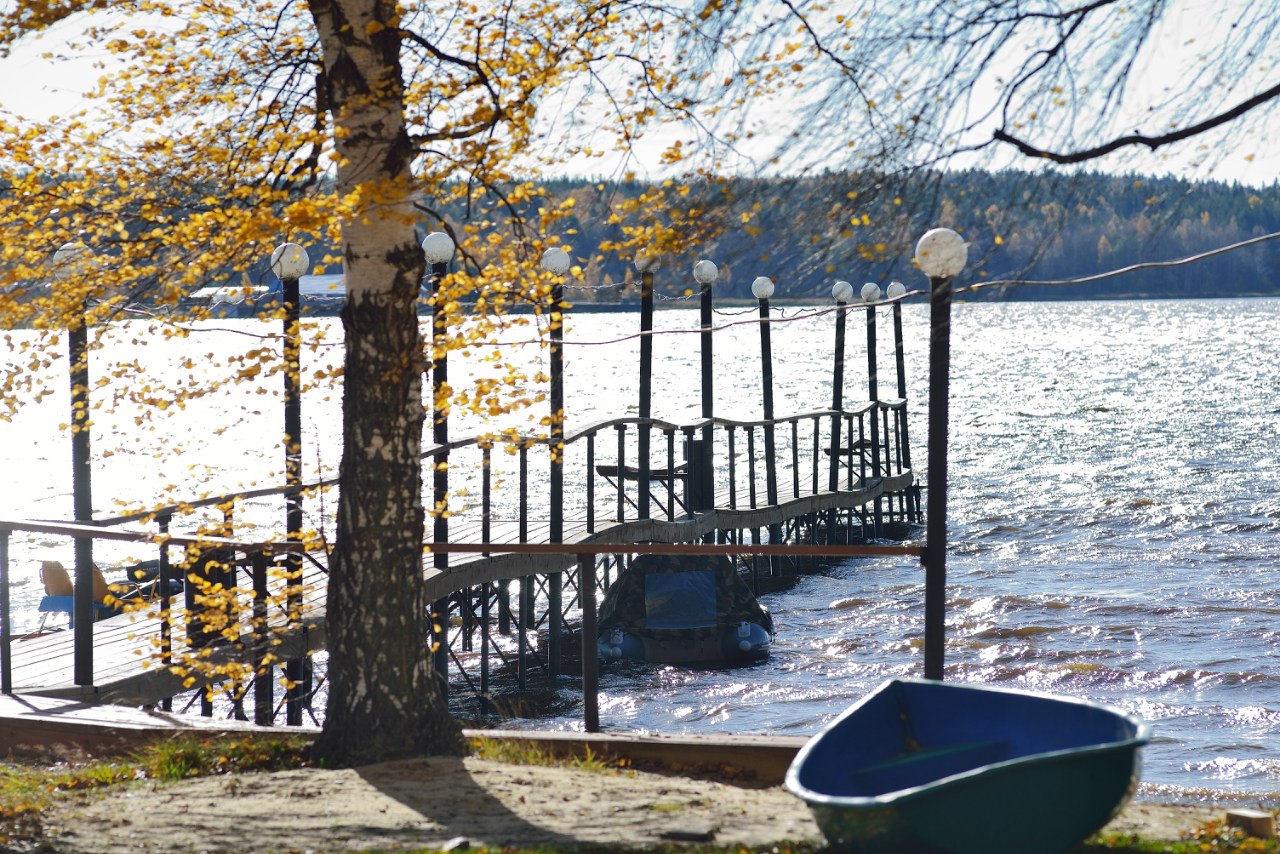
[126,661]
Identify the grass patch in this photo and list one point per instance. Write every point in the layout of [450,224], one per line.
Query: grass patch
[27,790]
[1213,837]
[518,752]
[669,848]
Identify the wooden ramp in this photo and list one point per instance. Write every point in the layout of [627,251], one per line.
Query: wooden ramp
[127,662]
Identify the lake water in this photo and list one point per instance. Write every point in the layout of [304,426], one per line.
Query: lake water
[1115,506]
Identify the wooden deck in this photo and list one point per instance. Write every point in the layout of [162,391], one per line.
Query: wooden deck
[127,666]
[508,498]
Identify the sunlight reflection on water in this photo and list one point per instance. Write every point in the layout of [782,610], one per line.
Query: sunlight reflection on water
[1115,514]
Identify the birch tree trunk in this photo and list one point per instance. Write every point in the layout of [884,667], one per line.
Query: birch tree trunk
[383,700]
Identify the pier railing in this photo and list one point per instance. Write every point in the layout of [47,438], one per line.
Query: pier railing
[626,471]
[746,484]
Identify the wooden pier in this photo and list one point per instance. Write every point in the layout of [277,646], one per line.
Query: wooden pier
[506,567]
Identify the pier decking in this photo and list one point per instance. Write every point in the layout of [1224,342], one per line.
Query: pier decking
[827,487]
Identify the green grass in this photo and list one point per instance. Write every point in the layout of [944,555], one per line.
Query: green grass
[27,790]
[670,848]
[1213,837]
[516,752]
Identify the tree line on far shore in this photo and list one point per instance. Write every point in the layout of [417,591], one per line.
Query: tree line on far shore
[808,232]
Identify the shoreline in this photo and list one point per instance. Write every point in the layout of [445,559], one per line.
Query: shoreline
[645,791]
[471,802]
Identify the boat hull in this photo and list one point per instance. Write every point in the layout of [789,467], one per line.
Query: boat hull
[932,767]
[741,644]
[684,610]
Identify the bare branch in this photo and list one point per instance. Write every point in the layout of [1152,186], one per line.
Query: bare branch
[1151,142]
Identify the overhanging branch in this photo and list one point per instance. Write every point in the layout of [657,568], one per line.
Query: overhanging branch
[1151,142]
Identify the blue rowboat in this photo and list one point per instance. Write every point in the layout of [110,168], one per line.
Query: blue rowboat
[926,766]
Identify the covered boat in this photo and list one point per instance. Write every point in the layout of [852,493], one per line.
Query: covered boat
[927,766]
[677,609]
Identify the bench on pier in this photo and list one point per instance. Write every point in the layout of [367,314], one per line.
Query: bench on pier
[668,477]
[859,446]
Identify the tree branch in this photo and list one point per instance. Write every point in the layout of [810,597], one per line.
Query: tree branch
[1151,142]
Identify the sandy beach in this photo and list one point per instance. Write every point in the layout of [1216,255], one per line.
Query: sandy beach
[448,802]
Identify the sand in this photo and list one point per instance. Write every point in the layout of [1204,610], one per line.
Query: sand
[456,803]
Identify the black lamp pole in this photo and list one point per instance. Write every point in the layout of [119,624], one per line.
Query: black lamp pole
[556,261]
[871,295]
[438,248]
[941,254]
[289,261]
[82,495]
[645,265]
[935,556]
[762,289]
[705,273]
[67,259]
[842,292]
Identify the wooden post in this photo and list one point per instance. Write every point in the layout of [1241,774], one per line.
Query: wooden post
[590,655]
[263,683]
[6,624]
[163,574]
[899,355]
[873,391]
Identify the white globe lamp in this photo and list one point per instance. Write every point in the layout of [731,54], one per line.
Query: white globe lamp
[438,247]
[290,261]
[762,287]
[705,272]
[555,261]
[941,253]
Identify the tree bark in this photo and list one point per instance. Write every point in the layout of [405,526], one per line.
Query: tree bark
[383,699]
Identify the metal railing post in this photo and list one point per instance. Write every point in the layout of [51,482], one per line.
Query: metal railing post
[6,622]
[590,656]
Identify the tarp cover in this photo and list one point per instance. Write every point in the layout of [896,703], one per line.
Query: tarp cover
[658,594]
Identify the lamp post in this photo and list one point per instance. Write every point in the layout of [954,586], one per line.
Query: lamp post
[895,292]
[438,248]
[871,295]
[556,261]
[290,262]
[762,288]
[941,254]
[645,264]
[705,274]
[842,293]
[68,260]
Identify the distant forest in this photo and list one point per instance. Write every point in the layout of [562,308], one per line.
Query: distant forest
[808,232]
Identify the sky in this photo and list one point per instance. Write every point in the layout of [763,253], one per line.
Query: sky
[34,87]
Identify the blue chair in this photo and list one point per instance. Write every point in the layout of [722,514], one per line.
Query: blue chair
[59,594]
